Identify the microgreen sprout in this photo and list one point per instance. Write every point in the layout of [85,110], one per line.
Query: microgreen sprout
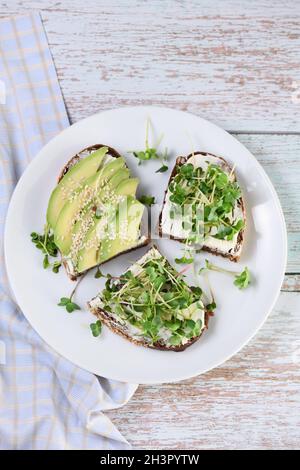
[211,307]
[147,200]
[151,153]
[241,280]
[184,260]
[96,328]
[98,273]
[188,254]
[67,302]
[45,243]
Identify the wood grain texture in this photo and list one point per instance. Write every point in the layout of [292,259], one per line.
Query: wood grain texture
[235,63]
[280,157]
[291,283]
[251,402]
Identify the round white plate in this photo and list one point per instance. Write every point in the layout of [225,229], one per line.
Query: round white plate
[239,314]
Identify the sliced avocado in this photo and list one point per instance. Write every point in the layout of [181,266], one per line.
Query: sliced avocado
[80,199]
[108,191]
[127,234]
[72,180]
[128,187]
[87,255]
[88,213]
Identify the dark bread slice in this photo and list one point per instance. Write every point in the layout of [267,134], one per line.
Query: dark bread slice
[75,159]
[122,330]
[116,327]
[232,256]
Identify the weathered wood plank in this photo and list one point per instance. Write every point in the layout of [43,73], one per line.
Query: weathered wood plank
[232,62]
[252,401]
[280,157]
[291,283]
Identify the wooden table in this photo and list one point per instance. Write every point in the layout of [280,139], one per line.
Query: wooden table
[236,63]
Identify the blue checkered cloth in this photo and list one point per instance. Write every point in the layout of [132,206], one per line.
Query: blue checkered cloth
[46,402]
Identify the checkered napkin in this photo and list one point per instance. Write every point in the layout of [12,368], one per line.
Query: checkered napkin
[46,402]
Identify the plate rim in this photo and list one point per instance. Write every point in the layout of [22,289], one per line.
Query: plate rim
[275,198]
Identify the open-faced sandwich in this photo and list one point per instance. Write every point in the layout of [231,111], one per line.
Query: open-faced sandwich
[203,205]
[94,197]
[152,305]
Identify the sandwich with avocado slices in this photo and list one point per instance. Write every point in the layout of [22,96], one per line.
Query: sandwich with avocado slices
[203,206]
[93,213]
[151,305]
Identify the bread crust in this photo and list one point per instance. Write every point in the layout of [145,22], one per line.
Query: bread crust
[231,256]
[82,154]
[117,328]
[75,277]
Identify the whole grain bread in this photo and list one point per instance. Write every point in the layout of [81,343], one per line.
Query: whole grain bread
[232,255]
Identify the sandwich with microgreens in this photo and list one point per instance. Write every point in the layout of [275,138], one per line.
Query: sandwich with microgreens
[203,206]
[151,305]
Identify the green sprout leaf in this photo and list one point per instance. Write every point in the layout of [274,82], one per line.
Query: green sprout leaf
[45,243]
[151,153]
[242,280]
[46,262]
[96,328]
[64,301]
[162,169]
[211,307]
[98,274]
[147,200]
[184,260]
[68,304]
[55,267]
[175,340]
[196,290]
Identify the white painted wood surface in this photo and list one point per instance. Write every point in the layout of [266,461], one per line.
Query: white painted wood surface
[236,63]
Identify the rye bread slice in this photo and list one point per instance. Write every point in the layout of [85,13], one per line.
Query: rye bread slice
[75,159]
[232,255]
[122,330]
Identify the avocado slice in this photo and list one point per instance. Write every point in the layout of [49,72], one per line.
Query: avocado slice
[127,234]
[112,186]
[128,187]
[80,199]
[88,254]
[71,181]
[87,216]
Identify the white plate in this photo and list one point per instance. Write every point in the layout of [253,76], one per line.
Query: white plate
[240,313]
